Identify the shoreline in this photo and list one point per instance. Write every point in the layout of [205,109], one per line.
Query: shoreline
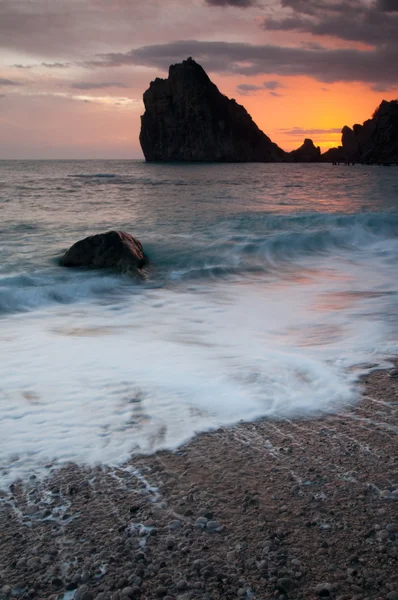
[270,509]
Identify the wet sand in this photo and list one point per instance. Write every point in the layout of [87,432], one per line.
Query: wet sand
[274,509]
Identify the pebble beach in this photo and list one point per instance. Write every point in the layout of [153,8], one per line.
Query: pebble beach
[271,509]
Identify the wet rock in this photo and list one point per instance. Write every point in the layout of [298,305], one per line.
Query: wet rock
[174,525]
[112,250]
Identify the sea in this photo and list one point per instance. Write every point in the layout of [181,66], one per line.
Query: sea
[271,289]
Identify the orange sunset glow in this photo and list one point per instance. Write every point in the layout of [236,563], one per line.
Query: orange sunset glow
[73,74]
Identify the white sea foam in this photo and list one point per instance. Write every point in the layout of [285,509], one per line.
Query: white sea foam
[94,384]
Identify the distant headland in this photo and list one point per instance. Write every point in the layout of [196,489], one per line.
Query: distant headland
[187,119]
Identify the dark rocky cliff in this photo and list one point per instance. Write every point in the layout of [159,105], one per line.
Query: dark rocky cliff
[374,141]
[308,152]
[188,119]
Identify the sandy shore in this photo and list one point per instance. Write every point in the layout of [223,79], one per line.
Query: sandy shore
[280,509]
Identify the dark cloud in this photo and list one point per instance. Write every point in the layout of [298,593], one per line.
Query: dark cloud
[55,65]
[87,85]
[275,94]
[374,23]
[45,65]
[272,85]
[236,3]
[300,131]
[245,88]
[7,82]
[387,5]
[377,66]
[380,87]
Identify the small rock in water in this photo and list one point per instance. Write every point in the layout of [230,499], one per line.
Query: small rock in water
[393,373]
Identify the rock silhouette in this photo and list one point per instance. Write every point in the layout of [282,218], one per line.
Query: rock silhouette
[374,141]
[188,119]
[308,152]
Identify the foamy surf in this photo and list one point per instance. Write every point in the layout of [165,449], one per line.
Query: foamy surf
[248,312]
[98,383]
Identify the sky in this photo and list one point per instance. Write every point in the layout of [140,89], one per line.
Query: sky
[73,72]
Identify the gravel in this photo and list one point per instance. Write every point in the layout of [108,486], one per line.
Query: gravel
[239,513]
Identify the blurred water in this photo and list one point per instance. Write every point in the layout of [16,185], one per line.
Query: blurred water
[269,288]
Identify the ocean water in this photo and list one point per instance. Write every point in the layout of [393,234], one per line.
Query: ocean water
[271,289]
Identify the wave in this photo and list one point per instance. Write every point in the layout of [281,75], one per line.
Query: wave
[236,248]
[25,292]
[277,242]
[94,175]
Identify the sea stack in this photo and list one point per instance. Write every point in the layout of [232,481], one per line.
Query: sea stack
[308,152]
[187,119]
[375,141]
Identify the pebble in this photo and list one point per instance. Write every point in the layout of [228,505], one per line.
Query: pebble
[174,525]
[161,591]
[213,526]
[170,543]
[385,493]
[127,592]
[323,589]
[80,591]
[296,562]
[32,509]
[184,596]
[392,596]
[285,584]
[199,564]
[182,585]
[5,590]
[88,596]
[201,522]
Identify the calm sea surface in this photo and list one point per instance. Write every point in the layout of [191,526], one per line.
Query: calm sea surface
[271,287]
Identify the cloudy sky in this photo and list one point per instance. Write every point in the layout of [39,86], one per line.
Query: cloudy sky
[72,72]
